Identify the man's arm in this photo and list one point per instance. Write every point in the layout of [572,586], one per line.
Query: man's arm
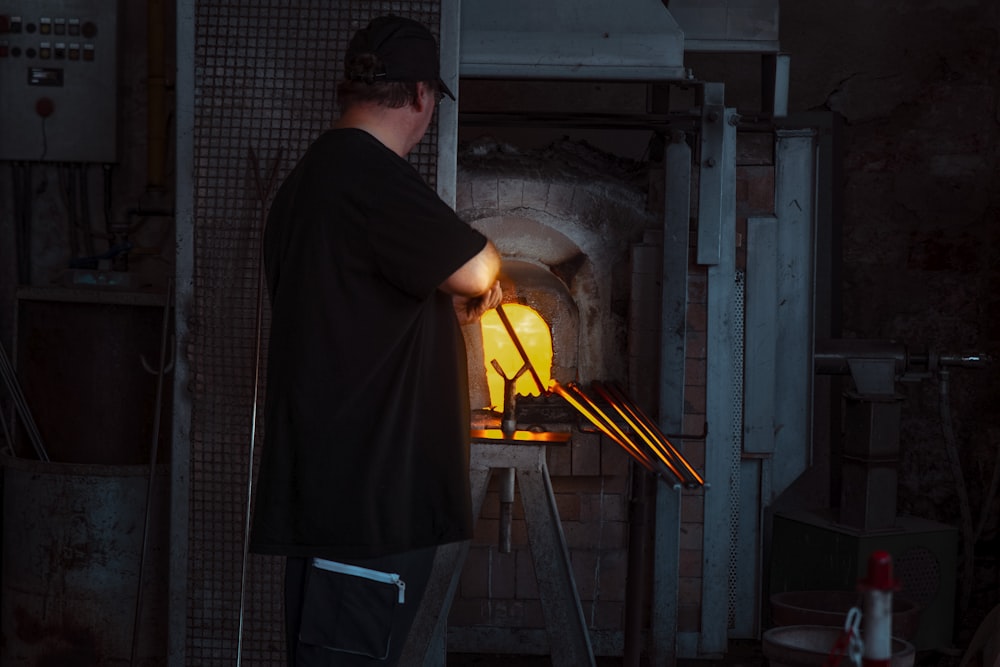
[476,276]
[474,286]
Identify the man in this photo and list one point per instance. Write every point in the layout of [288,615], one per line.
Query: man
[364,469]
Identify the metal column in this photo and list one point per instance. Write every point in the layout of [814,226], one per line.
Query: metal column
[673,354]
[717,249]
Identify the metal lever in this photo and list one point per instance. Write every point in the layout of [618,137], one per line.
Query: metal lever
[508,424]
[520,348]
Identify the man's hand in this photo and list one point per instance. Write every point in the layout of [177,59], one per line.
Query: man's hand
[470,309]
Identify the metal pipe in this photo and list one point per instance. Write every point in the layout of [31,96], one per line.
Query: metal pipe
[618,430]
[611,430]
[264,190]
[520,348]
[654,431]
[635,581]
[153,455]
[831,356]
[638,428]
[14,388]
[155,85]
[506,509]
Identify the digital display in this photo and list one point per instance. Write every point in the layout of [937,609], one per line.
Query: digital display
[45,76]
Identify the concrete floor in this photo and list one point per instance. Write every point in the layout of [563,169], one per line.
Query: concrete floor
[741,654]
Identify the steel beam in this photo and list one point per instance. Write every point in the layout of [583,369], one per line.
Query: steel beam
[794,207]
[761,324]
[718,193]
[673,362]
[717,135]
[180,445]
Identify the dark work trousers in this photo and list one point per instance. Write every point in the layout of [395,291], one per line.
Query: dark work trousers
[317,603]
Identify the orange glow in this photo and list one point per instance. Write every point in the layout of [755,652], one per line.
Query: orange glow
[535,337]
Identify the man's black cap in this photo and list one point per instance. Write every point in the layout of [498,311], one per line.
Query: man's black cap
[406,48]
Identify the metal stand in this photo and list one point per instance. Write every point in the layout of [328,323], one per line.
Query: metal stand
[569,641]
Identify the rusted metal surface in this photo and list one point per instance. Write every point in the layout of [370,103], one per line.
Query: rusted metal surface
[71,558]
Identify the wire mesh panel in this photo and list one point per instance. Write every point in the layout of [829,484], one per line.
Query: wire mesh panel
[735,504]
[266,75]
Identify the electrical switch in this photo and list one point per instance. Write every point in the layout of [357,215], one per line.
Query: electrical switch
[4,23]
[59,27]
[74,51]
[4,49]
[45,51]
[74,26]
[45,26]
[88,52]
[89,30]
[15,24]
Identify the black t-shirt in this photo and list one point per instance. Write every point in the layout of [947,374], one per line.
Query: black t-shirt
[366,410]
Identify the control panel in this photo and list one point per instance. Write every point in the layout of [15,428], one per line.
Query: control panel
[59,80]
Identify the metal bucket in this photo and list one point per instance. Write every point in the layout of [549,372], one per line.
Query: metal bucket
[72,541]
[810,646]
[830,608]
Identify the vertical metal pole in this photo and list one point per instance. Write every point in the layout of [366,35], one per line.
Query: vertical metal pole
[673,355]
[447,141]
[154,449]
[718,185]
[180,450]
[569,640]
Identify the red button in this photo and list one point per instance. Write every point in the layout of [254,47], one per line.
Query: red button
[44,107]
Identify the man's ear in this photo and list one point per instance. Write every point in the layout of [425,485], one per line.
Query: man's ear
[424,97]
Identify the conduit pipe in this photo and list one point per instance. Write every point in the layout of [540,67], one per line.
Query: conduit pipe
[156,84]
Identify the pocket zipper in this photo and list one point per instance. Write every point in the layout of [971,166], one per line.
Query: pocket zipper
[364,573]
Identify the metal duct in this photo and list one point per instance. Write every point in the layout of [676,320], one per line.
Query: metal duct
[727,26]
[584,39]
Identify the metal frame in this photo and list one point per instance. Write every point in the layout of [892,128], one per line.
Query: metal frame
[569,641]
[714,248]
[793,373]
[447,137]
[719,159]
[524,39]
[180,448]
[673,360]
